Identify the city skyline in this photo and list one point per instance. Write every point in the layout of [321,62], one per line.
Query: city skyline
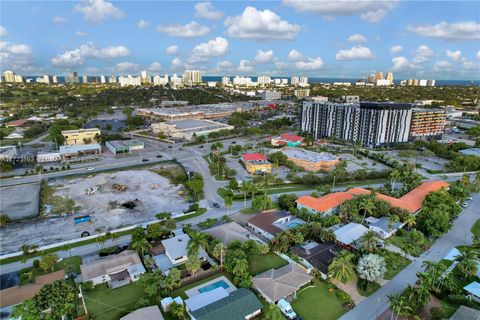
[438,40]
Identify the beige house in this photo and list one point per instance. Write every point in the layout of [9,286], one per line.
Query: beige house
[81,136]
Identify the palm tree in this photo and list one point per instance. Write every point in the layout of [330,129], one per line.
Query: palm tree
[367,205]
[101,240]
[218,251]
[399,305]
[197,240]
[410,221]
[394,176]
[369,242]
[141,246]
[193,264]
[114,237]
[253,189]
[467,262]
[465,180]
[245,189]
[228,203]
[273,313]
[342,268]
[241,266]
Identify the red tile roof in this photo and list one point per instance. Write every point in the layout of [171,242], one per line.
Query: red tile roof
[16,123]
[325,202]
[291,137]
[253,157]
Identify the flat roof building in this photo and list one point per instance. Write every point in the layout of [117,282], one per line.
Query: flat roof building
[427,124]
[76,150]
[7,153]
[124,146]
[310,160]
[188,129]
[256,163]
[81,136]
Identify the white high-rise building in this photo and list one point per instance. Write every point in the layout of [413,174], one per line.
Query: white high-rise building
[85,79]
[225,81]
[145,77]
[277,81]
[103,79]
[242,81]
[129,81]
[160,81]
[284,81]
[112,79]
[294,80]
[9,76]
[303,81]
[192,76]
[263,80]
[55,79]
[175,80]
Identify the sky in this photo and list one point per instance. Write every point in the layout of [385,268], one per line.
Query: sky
[341,39]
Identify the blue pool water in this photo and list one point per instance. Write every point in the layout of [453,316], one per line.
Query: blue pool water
[294,224]
[215,285]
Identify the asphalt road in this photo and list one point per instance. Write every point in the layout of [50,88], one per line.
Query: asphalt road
[377,303]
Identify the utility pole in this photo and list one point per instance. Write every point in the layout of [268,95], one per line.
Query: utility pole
[83,300]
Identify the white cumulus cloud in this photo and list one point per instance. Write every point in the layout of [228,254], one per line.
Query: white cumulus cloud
[264,56]
[295,55]
[245,66]
[59,19]
[77,57]
[15,56]
[458,31]
[310,64]
[206,10]
[256,24]
[171,50]
[422,54]
[155,66]
[478,54]
[225,65]
[80,33]
[189,30]
[355,53]
[368,10]
[124,67]
[358,38]
[96,11]
[212,48]
[280,65]
[454,55]
[396,49]
[176,64]
[142,24]
[442,65]
[402,64]
[3,31]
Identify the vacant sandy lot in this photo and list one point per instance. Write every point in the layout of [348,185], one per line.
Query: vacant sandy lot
[21,201]
[151,193]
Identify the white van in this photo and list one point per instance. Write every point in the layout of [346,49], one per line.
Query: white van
[286,309]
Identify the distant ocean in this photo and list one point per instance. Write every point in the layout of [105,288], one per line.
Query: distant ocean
[61,79]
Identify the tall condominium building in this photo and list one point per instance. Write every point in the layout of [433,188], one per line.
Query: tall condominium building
[389,77]
[371,123]
[129,81]
[303,82]
[103,79]
[160,81]
[9,76]
[175,80]
[112,79]
[225,81]
[263,80]
[294,80]
[427,124]
[192,76]
[85,79]
[379,75]
[145,79]
[371,78]
[243,81]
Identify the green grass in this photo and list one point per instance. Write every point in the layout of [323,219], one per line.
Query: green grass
[372,287]
[395,263]
[181,291]
[207,223]
[401,240]
[199,212]
[318,303]
[476,228]
[111,304]
[266,262]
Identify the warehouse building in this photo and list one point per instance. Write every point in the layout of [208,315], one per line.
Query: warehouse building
[77,150]
[188,129]
[7,153]
[124,146]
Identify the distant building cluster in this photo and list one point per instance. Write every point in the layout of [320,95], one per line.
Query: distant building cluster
[372,124]
[418,82]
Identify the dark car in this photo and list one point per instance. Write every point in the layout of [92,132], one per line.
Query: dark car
[200,147]
[170,147]
[233,142]
[159,155]
[144,160]
[216,205]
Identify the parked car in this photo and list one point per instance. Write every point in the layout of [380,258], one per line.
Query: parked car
[465,205]
[286,309]
[144,160]
[90,169]
[216,205]
[159,155]
[200,147]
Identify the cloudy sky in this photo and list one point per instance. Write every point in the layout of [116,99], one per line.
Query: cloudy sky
[436,39]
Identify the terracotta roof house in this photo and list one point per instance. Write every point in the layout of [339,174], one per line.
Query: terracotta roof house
[15,295]
[116,270]
[316,255]
[16,123]
[325,205]
[231,231]
[276,284]
[269,223]
[287,139]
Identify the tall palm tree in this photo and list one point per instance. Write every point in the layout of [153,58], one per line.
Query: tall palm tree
[245,189]
[394,176]
[399,305]
[197,240]
[467,262]
[218,252]
[367,205]
[342,268]
[410,221]
[253,189]
[369,242]
[465,180]
[228,203]
[141,246]
[241,266]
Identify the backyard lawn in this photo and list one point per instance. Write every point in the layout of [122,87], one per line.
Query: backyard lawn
[395,263]
[111,304]
[318,303]
[476,228]
[403,242]
[266,262]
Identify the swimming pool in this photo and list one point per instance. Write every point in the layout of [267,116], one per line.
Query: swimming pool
[215,285]
[294,224]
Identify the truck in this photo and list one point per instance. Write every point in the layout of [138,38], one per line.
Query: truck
[286,309]
[82,219]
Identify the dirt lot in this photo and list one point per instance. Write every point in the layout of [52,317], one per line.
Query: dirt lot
[16,205]
[116,200]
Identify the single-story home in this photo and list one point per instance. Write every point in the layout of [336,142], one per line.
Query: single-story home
[276,284]
[231,231]
[269,223]
[473,290]
[349,234]
[147,313]
[176,253]
[241,304]
[383,227]
[115,270]
[316,255]
[324,205]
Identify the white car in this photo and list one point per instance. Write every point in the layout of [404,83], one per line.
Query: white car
[286,309]
[90,169]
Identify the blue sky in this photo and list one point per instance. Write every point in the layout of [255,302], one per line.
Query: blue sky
[420,39]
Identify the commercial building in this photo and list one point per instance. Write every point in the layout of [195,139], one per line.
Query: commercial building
[116,270]
[81,136]
[7,153]
[49,157]
[301,93]
[427,124]
[76,150]
[310,160]
[256,163]
[124,146]
[372,124]
[287,139]
[271,95]
[188,129]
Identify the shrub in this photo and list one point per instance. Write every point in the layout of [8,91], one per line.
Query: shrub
[36,264]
